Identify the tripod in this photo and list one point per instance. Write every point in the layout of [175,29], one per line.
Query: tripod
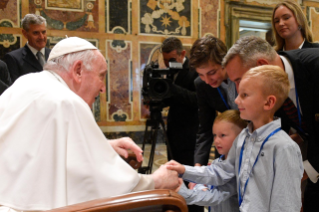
[152,125]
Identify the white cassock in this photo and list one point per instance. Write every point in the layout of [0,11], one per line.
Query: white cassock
[52,152]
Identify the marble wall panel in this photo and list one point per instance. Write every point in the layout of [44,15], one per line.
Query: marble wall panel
[314,21]
[8,43]
[119,83]
[74,15]
[118,17]
[209,17]
[164,17]
[9,13]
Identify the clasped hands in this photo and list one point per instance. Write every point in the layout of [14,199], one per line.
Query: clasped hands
[164,177]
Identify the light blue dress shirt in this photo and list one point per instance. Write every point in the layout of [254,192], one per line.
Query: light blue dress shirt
[274,183]
[220,198]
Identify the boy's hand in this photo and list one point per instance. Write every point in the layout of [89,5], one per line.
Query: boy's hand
[173,165]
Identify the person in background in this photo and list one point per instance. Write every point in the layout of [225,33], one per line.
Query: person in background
[5,80]
[34,54]
[226,128]
[52,152]
[182,119]
[290,27]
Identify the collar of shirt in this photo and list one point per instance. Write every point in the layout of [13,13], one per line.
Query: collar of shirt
[283,48]
[184,60]
[262,132]
[34,51]
[175,76]
[231,93]
[57,77]
[291,78]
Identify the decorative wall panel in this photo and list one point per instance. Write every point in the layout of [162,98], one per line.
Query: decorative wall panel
[8,43]
[9,13]
[209,17]
[75,15]
[119,82]
[165,17]
[119,16]
[313,14]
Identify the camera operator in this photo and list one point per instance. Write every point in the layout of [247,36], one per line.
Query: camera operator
[182,120]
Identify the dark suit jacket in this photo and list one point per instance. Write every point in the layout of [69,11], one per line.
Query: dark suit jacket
[305,65]
[5,80]
[209,101]
[310,45]
[182,120]
[307,45]
[22,61]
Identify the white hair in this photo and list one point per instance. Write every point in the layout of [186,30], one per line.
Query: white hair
[65,61]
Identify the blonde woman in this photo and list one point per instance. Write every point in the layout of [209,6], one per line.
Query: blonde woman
[290,27]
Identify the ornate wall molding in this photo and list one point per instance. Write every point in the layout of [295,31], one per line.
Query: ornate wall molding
[235,11]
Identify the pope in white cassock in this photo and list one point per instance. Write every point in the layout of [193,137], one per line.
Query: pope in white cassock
[52,152]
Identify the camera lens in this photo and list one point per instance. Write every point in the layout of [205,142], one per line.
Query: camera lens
[159,88]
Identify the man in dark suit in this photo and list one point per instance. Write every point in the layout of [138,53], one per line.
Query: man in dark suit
[182,120]
[5,80]
[302,68]
[215,92]
[33,55]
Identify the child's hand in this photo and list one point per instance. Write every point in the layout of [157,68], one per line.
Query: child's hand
[173,165]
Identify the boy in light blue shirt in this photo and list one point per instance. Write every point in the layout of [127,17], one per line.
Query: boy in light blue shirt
[265,161]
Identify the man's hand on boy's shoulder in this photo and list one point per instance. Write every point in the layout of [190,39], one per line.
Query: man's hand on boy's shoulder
[173,165]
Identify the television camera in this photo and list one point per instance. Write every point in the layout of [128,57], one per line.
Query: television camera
[157,82]
[156,87]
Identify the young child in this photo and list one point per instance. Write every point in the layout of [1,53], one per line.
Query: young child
[266,162]
[227,126]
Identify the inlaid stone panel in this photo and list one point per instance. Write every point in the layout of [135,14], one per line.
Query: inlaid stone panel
[164,17]
[119,83]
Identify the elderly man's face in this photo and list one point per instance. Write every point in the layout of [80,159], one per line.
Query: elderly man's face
[235,70]
[36,35]
[93,80]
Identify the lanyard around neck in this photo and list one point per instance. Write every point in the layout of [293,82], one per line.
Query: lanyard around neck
[240,196]
[221,95]
[298,109]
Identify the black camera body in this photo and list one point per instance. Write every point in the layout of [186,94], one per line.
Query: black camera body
[157,82]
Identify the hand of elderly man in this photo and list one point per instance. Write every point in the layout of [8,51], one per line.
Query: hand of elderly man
[165,179]
[121,146]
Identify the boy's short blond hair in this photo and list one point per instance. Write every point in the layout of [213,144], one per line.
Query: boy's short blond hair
[274,82]
[231,116]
